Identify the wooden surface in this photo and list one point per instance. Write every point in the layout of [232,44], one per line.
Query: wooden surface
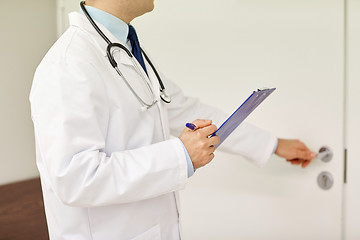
[22,213]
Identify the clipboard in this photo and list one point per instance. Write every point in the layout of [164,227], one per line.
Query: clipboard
[245,109]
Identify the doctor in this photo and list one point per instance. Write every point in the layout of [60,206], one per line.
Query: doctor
[109,168]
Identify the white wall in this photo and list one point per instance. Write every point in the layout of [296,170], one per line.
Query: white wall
[63,8]
[28,29]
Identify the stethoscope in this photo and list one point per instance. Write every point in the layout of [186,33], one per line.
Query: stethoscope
[109,52]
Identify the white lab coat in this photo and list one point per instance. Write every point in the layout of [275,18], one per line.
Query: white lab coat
[109,170]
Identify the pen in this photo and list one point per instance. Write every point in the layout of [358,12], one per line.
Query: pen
[190,126]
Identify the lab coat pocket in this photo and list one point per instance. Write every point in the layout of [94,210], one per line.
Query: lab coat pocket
[151,234]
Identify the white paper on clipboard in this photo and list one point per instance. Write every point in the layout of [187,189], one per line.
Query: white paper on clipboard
[235,119]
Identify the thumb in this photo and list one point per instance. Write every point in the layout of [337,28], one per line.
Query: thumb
[306,155]
[200,123]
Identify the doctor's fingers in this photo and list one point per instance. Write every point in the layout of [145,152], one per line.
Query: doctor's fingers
[295,161]
[214,140]
[205,158]
[209,158]
[200,123]
[305,154]
[206,131]
[304,163]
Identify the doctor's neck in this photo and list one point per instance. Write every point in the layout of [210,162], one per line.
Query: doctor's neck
[126,10]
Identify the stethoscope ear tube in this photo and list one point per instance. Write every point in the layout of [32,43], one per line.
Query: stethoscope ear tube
[166,98]
[110,56]
[82,5]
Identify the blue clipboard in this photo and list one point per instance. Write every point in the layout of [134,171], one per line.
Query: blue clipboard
[252,102]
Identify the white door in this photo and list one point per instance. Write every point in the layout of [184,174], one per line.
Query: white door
[222,50]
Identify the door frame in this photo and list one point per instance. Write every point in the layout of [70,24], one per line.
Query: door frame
[351,211]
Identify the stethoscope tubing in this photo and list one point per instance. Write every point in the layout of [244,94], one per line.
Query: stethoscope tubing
[163,95]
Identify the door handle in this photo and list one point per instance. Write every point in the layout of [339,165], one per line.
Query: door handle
[325,179]
[325,154]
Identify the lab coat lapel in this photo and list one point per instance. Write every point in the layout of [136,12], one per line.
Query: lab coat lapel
[79,20]
[160,104]
[124,62]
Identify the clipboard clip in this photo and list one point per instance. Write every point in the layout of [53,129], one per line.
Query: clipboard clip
[262,89]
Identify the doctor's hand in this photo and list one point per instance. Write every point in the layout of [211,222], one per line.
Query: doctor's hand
[294,151]
[198,144]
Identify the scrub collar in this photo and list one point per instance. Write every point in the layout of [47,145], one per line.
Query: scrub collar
[115,25]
